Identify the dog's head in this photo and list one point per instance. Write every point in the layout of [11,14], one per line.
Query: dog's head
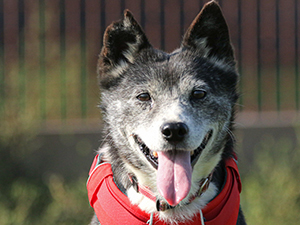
[168,116]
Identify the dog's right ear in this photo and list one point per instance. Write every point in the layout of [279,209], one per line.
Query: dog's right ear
[122,41]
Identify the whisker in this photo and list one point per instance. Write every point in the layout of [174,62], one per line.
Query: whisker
[231,134]
[239,124]
[240,105]
[105,140]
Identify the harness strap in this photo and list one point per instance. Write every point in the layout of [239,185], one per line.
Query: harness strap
[224,208]
[112,207]
[141,188]
[110,204]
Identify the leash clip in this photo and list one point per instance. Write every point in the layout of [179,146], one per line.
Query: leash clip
[161,205]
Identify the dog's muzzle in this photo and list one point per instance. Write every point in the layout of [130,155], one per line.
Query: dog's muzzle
[152,156]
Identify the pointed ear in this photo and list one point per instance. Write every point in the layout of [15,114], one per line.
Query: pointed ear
[122,41]
[209,34]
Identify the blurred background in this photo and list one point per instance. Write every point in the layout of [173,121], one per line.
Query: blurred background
[50,126]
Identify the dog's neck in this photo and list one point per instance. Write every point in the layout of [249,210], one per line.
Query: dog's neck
[210,203]
[149,206]
[162,205]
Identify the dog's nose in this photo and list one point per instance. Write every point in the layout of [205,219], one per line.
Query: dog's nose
[174,132]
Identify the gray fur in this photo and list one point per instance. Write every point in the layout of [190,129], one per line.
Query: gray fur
[129,66]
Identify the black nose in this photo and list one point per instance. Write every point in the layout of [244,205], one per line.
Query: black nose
[174,132]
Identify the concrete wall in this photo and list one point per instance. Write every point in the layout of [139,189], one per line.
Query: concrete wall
[70,153]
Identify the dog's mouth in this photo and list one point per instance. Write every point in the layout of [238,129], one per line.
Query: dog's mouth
[174,169]
[152,156]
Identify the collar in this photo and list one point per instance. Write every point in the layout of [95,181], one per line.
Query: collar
[112,207]
[162,205]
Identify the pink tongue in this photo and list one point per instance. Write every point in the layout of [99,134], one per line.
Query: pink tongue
[174,175]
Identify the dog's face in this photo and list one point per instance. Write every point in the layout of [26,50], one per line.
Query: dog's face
[169,115]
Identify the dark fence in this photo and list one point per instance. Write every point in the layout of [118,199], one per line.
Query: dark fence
[48,51]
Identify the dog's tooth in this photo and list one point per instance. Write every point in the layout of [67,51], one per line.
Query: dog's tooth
[155,154]
[192,152]
[206,137]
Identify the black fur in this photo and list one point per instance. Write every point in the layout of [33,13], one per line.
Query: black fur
[210,25]
[128,62]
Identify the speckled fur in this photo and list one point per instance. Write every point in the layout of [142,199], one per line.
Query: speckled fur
[128,66]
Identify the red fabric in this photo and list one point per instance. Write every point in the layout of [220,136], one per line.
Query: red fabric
[112,207]
[224,209]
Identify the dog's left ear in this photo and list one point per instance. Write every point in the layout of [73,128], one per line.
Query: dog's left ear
[209,34]
[122,42]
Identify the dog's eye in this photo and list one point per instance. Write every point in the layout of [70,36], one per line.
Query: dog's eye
[144,97]
[198,94]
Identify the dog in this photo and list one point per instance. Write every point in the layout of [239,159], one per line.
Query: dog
[167,155]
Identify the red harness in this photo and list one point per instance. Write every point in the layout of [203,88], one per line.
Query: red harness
[112,207]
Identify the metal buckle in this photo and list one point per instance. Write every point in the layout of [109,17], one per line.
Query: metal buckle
[203,187]
[161,205]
